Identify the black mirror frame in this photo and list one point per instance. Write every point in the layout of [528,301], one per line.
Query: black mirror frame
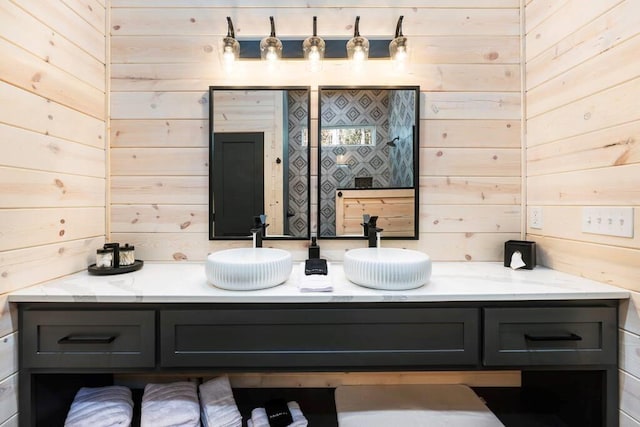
[416,157]
[211,214]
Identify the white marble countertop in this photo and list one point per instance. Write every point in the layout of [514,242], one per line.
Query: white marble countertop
[179,282]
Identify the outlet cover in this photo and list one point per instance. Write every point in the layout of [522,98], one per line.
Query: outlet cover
[535,217]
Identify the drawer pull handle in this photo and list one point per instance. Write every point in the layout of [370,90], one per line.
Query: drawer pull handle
[570,337]
[87,339]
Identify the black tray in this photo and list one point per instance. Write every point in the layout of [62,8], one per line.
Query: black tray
[137,265]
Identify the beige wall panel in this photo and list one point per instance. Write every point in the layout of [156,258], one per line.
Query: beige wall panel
[160,190]
[630,314]
[8,397]
[49,45]
[160,161]
[26,267]
[91,11]
[609,264]
[460,218]
[594,38]
[330,379]
[608,69]
[23,228]
[614,146]
[627,421]
[159,133]
[567,19]
[565,222]
[630,395]
[587,115]
[470,105]
[630,353]
[160,105]
[8,355]
[440,246]
[27,189]
[35,75]
[49,153]
[540,10]
[317,3]
[470,161]
[11,422]
[63,20]
[333,21]
[605,186]
[27,110]
[8,316]
[470,133]
[469,190]
[159,218]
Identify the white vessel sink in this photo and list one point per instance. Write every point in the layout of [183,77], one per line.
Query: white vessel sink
[387,268]
[246,269]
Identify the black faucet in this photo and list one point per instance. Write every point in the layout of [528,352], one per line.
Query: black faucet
[259,230]
[371,230]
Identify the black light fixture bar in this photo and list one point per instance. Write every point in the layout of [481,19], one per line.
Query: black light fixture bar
[335,49]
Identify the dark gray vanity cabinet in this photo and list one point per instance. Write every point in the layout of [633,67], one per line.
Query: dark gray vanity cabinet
[564,348]
[320,338]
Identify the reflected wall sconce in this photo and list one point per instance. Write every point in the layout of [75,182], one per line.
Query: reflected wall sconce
[313,48]
[271,47]
[398,47]
[358,46]
[231,46]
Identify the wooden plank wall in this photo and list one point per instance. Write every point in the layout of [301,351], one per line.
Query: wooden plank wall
[466,58]
[52,140]
[583,149]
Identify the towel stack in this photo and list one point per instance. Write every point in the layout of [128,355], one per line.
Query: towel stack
[259,417]
[174,404]
[218,405]
[101,407]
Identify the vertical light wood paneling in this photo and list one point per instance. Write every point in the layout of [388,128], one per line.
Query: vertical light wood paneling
[466,59]
[53,163]
[583,124]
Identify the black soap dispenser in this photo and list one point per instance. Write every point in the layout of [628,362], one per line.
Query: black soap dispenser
[314,248]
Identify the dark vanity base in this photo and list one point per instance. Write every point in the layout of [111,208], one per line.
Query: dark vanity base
[566,350]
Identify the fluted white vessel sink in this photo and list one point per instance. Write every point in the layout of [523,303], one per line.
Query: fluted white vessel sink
[247,269]
[387,268]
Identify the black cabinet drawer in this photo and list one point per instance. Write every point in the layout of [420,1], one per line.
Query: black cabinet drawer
[320,338]
[550,336]
[91,338]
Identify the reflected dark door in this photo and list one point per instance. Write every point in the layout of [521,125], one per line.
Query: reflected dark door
[238,181]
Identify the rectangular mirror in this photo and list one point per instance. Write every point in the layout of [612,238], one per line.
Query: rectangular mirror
[259,161]
[368,160]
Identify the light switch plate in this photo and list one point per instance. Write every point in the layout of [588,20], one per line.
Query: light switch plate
[608,220]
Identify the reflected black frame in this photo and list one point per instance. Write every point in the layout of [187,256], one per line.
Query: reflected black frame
[211,214]
[416,157]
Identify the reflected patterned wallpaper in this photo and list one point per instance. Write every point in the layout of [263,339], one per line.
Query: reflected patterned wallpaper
[298,185]
[352,107]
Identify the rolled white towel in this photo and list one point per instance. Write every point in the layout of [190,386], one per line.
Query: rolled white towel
[259,416]
[219,408]
[101,407]
[174,404]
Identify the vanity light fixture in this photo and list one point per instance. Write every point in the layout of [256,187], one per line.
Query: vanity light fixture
[358,46]
[271,47]
[231,47]
[313,48]
[398,47]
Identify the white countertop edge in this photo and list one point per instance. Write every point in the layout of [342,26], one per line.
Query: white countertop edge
[450,282]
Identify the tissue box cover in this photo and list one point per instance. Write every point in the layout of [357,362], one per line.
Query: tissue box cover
[526,248]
